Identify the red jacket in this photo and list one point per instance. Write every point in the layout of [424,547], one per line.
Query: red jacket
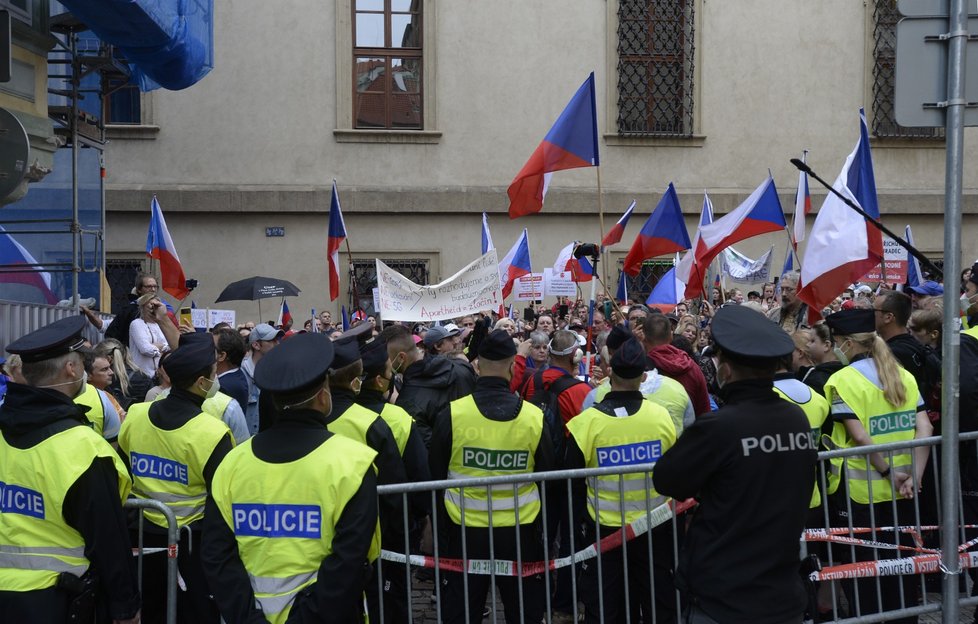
[676,363]
[570,400]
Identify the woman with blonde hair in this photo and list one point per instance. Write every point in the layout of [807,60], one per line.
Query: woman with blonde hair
[129,384]
[874,401]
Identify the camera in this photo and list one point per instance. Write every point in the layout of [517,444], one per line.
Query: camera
[191,284]
[587,250]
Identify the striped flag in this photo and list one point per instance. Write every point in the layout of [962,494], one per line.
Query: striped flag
[337,234]
[803,207]
[486,236]
[618,229]
[284,315]
[159,245]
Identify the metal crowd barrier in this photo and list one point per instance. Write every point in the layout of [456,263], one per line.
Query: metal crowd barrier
[894,552]
[18,319]
[172,549]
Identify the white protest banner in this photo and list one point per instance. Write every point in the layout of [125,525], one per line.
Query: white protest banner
[558,283]
[742,270]
[205,318]
[474,288]
[897,262]
[528,287]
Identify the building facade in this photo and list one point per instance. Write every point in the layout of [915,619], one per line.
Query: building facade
[424,111]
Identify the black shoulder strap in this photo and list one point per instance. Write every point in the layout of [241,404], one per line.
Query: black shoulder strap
[563,383]
[536,379]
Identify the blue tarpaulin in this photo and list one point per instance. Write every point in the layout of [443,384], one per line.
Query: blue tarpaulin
[168,43]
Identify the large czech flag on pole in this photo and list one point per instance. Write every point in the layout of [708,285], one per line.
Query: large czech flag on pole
[571,143]
[803,207]
[664,233]
[668,292]
[760,213]
[516,263]
[337,234]
[618,229]
[159,246]
[13,253]
[842,245]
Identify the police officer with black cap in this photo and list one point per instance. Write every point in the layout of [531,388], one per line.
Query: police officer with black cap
[292,512]
[57,502]
[623,429]
[751,466]
[173,446]
[491,432]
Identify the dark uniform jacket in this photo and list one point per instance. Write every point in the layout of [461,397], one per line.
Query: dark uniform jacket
[341,574]
[430,385]
[92,507]
[751,468]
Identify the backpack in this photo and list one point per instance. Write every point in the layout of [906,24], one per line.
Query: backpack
[547,400]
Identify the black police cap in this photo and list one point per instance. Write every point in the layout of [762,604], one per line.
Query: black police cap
[373,352]
[498,345]
[854,321]
[618,336]
[195,353]
[628,362]
[346,345]
[51,341]
[300,361]
[743,334]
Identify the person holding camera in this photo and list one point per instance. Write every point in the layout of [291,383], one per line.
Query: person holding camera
[152,334]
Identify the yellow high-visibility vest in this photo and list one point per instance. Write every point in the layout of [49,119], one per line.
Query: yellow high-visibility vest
[816,409]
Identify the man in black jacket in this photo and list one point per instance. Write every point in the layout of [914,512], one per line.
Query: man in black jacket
[119,327]
[751,466]
[429,384]
[76,499]
[893,311]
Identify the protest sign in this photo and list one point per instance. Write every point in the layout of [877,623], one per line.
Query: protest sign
[896,260]
[474,288]
[558,283]
[528,287]
[205,318]
[742,270]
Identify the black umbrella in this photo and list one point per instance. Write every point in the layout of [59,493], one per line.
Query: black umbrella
[254,288]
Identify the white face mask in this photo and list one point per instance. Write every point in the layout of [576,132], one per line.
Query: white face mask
[214,388]
[81,389]
[841,355]
[965,302]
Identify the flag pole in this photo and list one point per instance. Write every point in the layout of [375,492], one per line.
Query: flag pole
[353,278]
[601,228]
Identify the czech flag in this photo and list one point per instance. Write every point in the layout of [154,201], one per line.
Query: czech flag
[13,253]
[622,295]
[668,292]
[571,143]
[760,213]
[337,234]
[284,316]
[618,230]
[803,206]
[663,233]
[843,246]
[486,236]
[913,269]
[580,268]
[159,245]
[516,263]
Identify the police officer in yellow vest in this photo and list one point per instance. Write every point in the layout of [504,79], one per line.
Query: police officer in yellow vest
[874,401]
[622,430]
[292,512]
[57,506]
[751,467]
[173,448]
[492,432]
[377,376]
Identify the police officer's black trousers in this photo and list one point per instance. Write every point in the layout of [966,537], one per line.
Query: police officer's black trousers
[193,605]
[40,605]
[648,588]
[394,585]
[504,547]
[865,590]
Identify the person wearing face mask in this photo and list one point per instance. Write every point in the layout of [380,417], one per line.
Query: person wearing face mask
[874,401]
[172,447]
[69,507]
[319,488]
[751,465]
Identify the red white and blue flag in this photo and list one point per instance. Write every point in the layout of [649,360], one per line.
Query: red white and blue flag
[664,233]
[668,292]
[159,246]
[571,143]
[843,246]
[913,269]
[516,263]
[621,296]
[486,236]
[760,213]
[337,234]
[284,316]
[579,268]
[803,207]
[618,229]
[13,254]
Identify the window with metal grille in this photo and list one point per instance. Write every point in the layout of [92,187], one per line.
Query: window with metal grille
[639,288]
[121,276]
[365,278]
[655,68]
[885,18]
[387,55]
